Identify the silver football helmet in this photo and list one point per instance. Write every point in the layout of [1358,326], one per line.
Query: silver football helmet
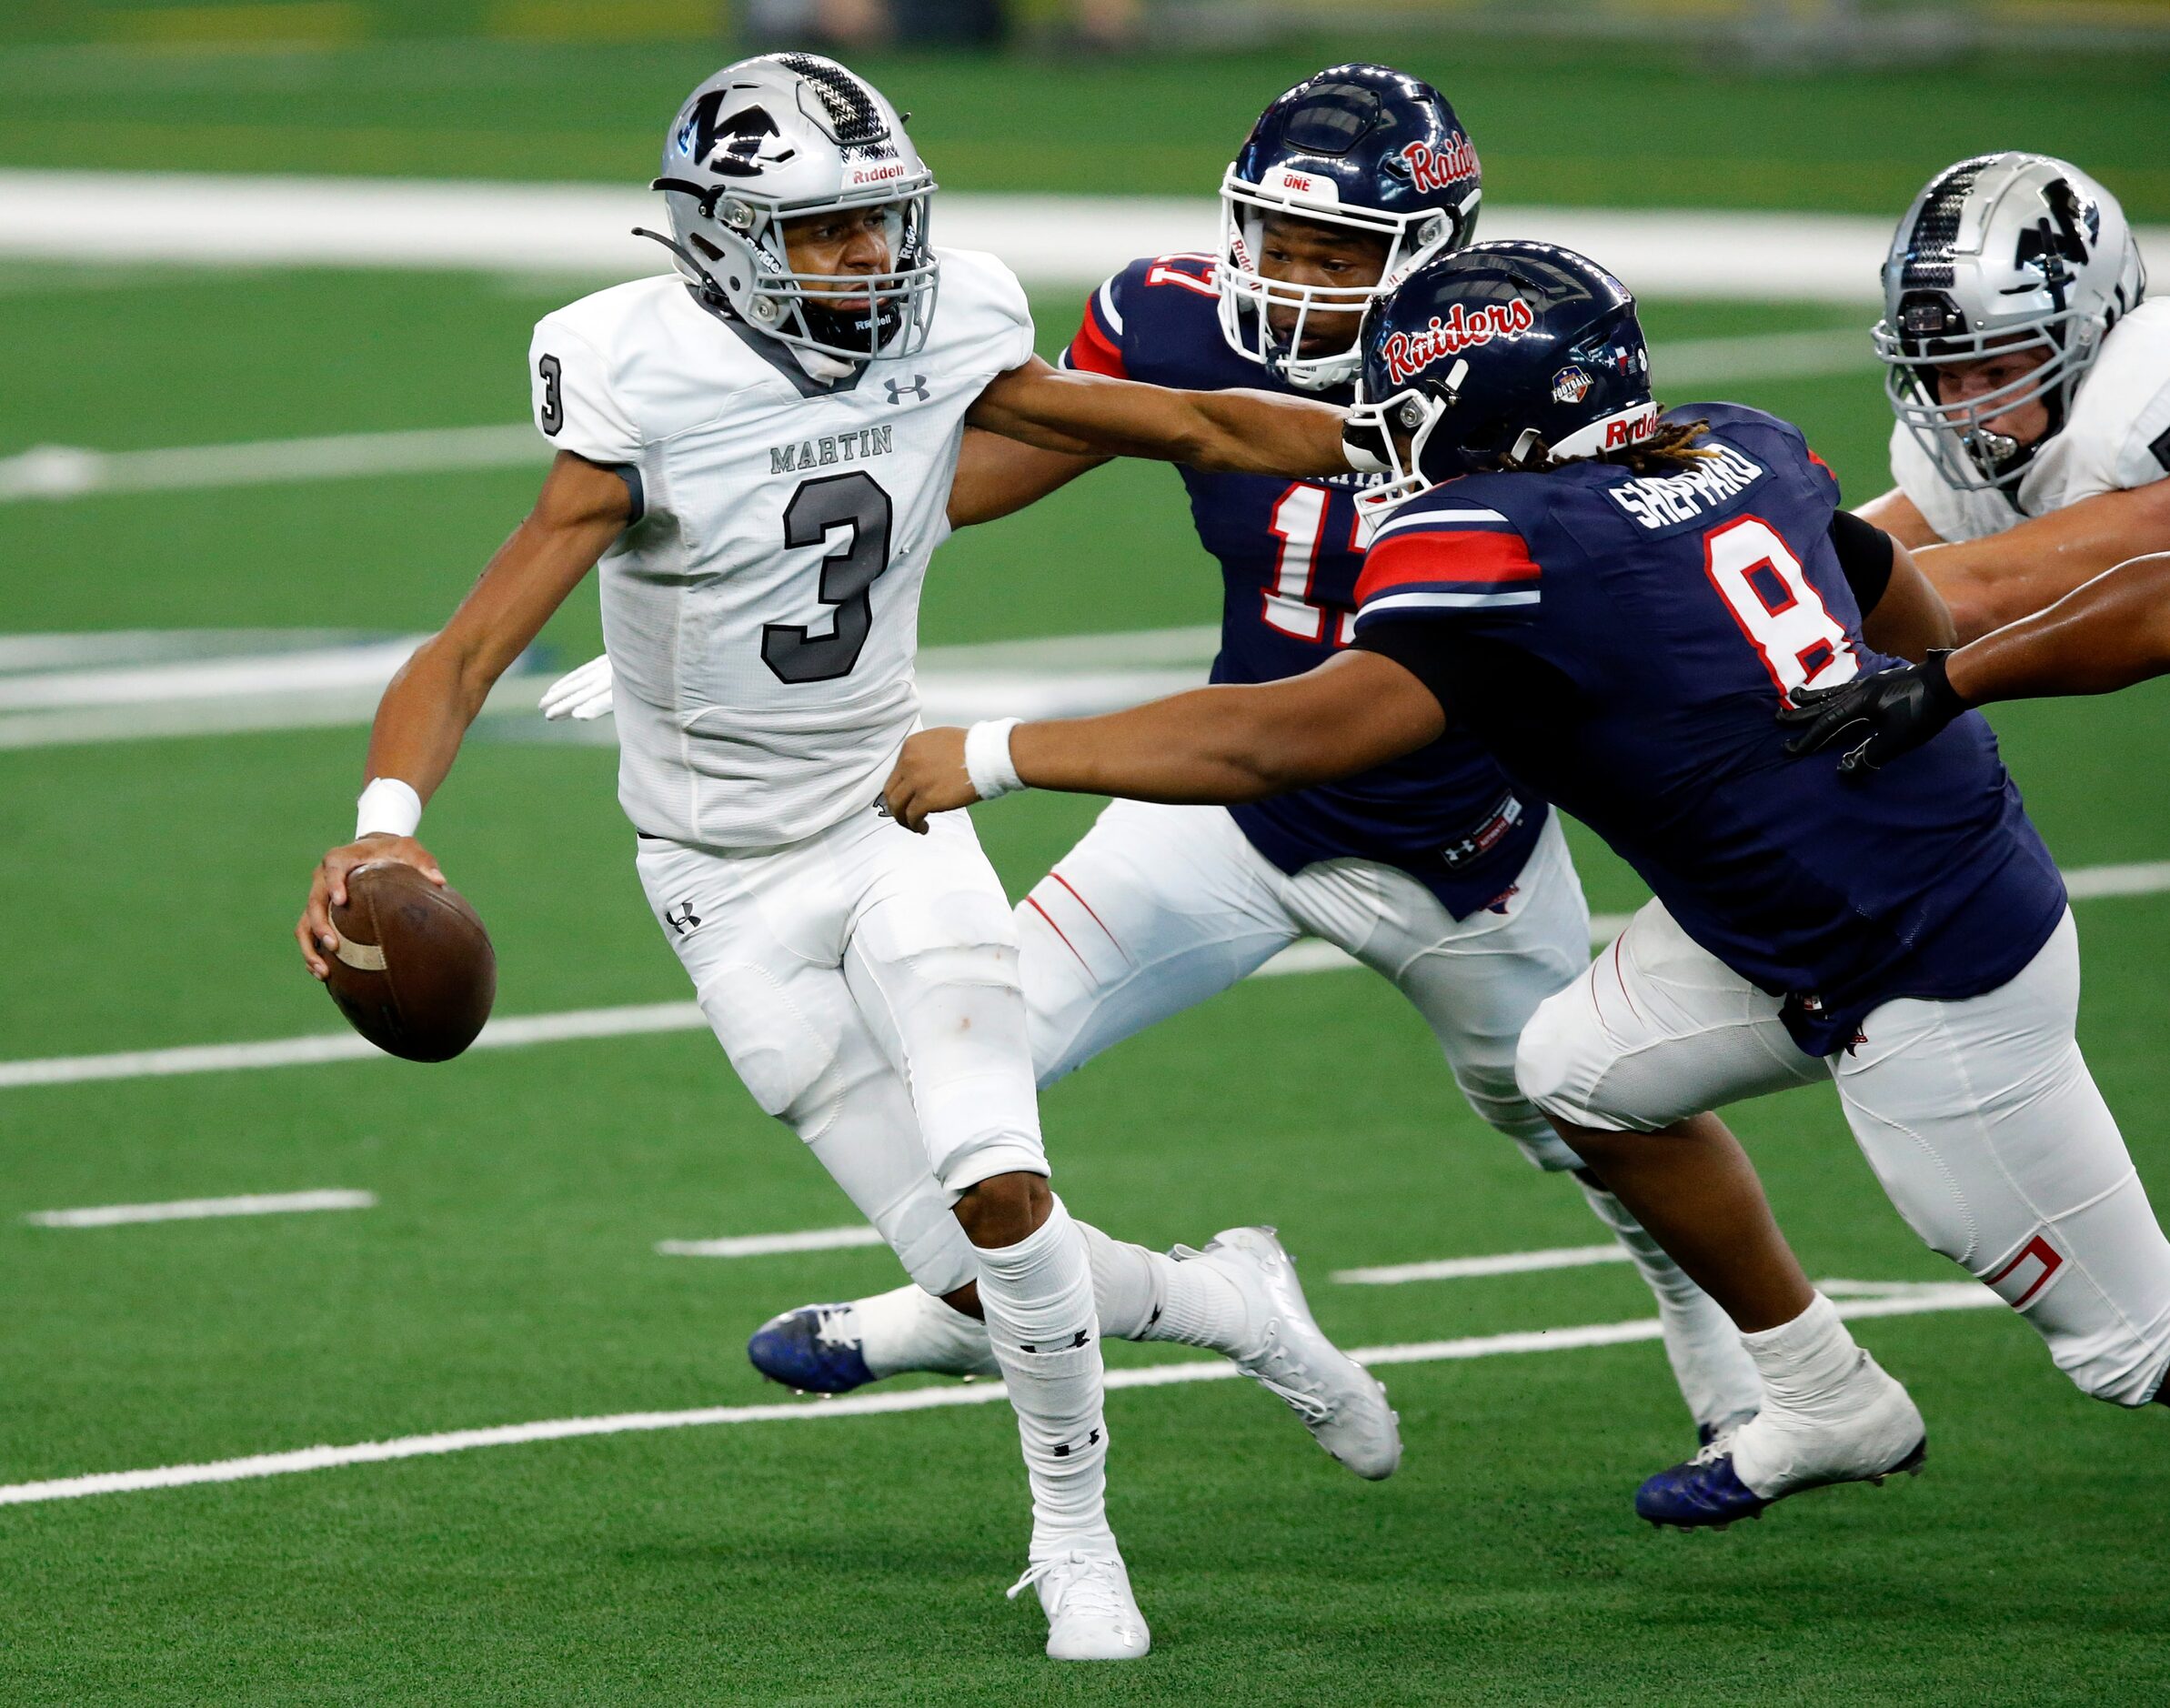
[2003,254]
[779,138]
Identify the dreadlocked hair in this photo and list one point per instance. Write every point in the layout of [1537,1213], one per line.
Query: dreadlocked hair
[1673,446]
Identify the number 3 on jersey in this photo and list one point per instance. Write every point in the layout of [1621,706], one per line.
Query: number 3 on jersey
[1783,616]
[848,571]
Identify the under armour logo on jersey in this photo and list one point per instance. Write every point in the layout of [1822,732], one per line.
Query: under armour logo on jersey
[681,918]
[899,391]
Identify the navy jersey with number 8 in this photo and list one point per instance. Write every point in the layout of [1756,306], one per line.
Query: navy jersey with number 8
[1621,643]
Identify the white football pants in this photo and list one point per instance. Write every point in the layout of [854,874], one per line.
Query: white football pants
[1979,1117]
[864,983]
[1158,907]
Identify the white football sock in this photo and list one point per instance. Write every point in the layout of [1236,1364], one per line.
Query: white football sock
[1037,1296]
[908,1328]
[1154,1296]
[1809,1365]
[1716,1376]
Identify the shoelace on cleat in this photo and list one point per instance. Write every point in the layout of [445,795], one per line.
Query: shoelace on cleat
[828,1325]
[1095,1587]
[1272,1371]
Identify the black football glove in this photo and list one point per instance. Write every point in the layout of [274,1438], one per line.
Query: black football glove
[1882,716]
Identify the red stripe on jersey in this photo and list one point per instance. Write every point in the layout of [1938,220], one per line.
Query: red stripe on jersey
[1464,556]
[1092,351]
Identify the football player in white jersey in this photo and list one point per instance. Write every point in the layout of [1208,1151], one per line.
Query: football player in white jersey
[758,450]
[2032,387]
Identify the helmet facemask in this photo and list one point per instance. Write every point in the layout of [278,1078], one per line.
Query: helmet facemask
[737,251]
[1247,295]
[1971,455]
[1397,431]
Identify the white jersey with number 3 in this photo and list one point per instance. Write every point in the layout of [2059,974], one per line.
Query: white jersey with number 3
[762,614]
[2118,437]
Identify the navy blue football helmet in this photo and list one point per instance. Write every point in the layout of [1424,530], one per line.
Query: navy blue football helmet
[1363,147]
[1494,355]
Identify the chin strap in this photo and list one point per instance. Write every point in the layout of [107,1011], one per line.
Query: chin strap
[710,289]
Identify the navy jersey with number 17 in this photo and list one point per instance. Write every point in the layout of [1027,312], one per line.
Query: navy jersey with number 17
[1289,563]
[1621,643]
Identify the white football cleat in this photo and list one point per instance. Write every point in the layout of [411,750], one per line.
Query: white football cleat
[1341,1402]
[1870,1429]
[1092,1613]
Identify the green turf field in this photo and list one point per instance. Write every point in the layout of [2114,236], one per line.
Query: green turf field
[508,1272]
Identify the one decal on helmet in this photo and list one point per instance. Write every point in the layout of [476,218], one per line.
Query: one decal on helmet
[1357,150]
[2011,256]
[790,137]
[1497,354]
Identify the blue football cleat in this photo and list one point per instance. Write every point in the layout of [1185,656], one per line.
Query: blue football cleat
[814,1348]
[1705,1493]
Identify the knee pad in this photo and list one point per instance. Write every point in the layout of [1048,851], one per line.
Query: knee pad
[1561,1057]
[784,1059]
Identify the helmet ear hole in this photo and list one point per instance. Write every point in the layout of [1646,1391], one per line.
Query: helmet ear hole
[707,249]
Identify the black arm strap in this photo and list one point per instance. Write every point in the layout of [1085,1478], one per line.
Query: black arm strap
[1864,554]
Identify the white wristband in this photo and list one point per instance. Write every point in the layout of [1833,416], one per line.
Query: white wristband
[387,808]
[987,758]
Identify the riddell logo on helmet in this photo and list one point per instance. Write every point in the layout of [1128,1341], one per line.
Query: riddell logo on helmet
[1634,428]
[1440,168]
[878,174]
[1407,353]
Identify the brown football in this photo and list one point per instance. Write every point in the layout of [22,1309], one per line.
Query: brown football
[414,972]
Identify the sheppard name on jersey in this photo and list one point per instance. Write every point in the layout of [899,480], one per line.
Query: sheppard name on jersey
[833,448]
[1662,500]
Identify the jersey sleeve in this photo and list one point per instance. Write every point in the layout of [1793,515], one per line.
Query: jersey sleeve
[2120,425]
[1463,563]
[1012,312]
[1098,346]
[1916,475]
[576,408]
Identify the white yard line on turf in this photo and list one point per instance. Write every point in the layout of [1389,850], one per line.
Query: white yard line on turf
[1915,1301]
[2085,884]
[1468,1268]
[198,1209]
[66,471]
[767,1244]
[134,218]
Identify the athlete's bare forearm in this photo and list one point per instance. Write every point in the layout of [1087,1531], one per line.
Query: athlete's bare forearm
[1213,746]
[2006,577]
[2111,633]
[1235,432]
[426,711]
[1911,619]
[997,477]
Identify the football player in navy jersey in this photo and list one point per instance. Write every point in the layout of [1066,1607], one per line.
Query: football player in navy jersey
[1617,602]
[1434,869]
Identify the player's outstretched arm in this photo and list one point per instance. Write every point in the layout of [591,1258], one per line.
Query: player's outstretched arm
[427,710]
[2029,566]
[1909,620]
[2109,634]
[1212,746]
[1898,516]
[997,477]
[1234,432]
